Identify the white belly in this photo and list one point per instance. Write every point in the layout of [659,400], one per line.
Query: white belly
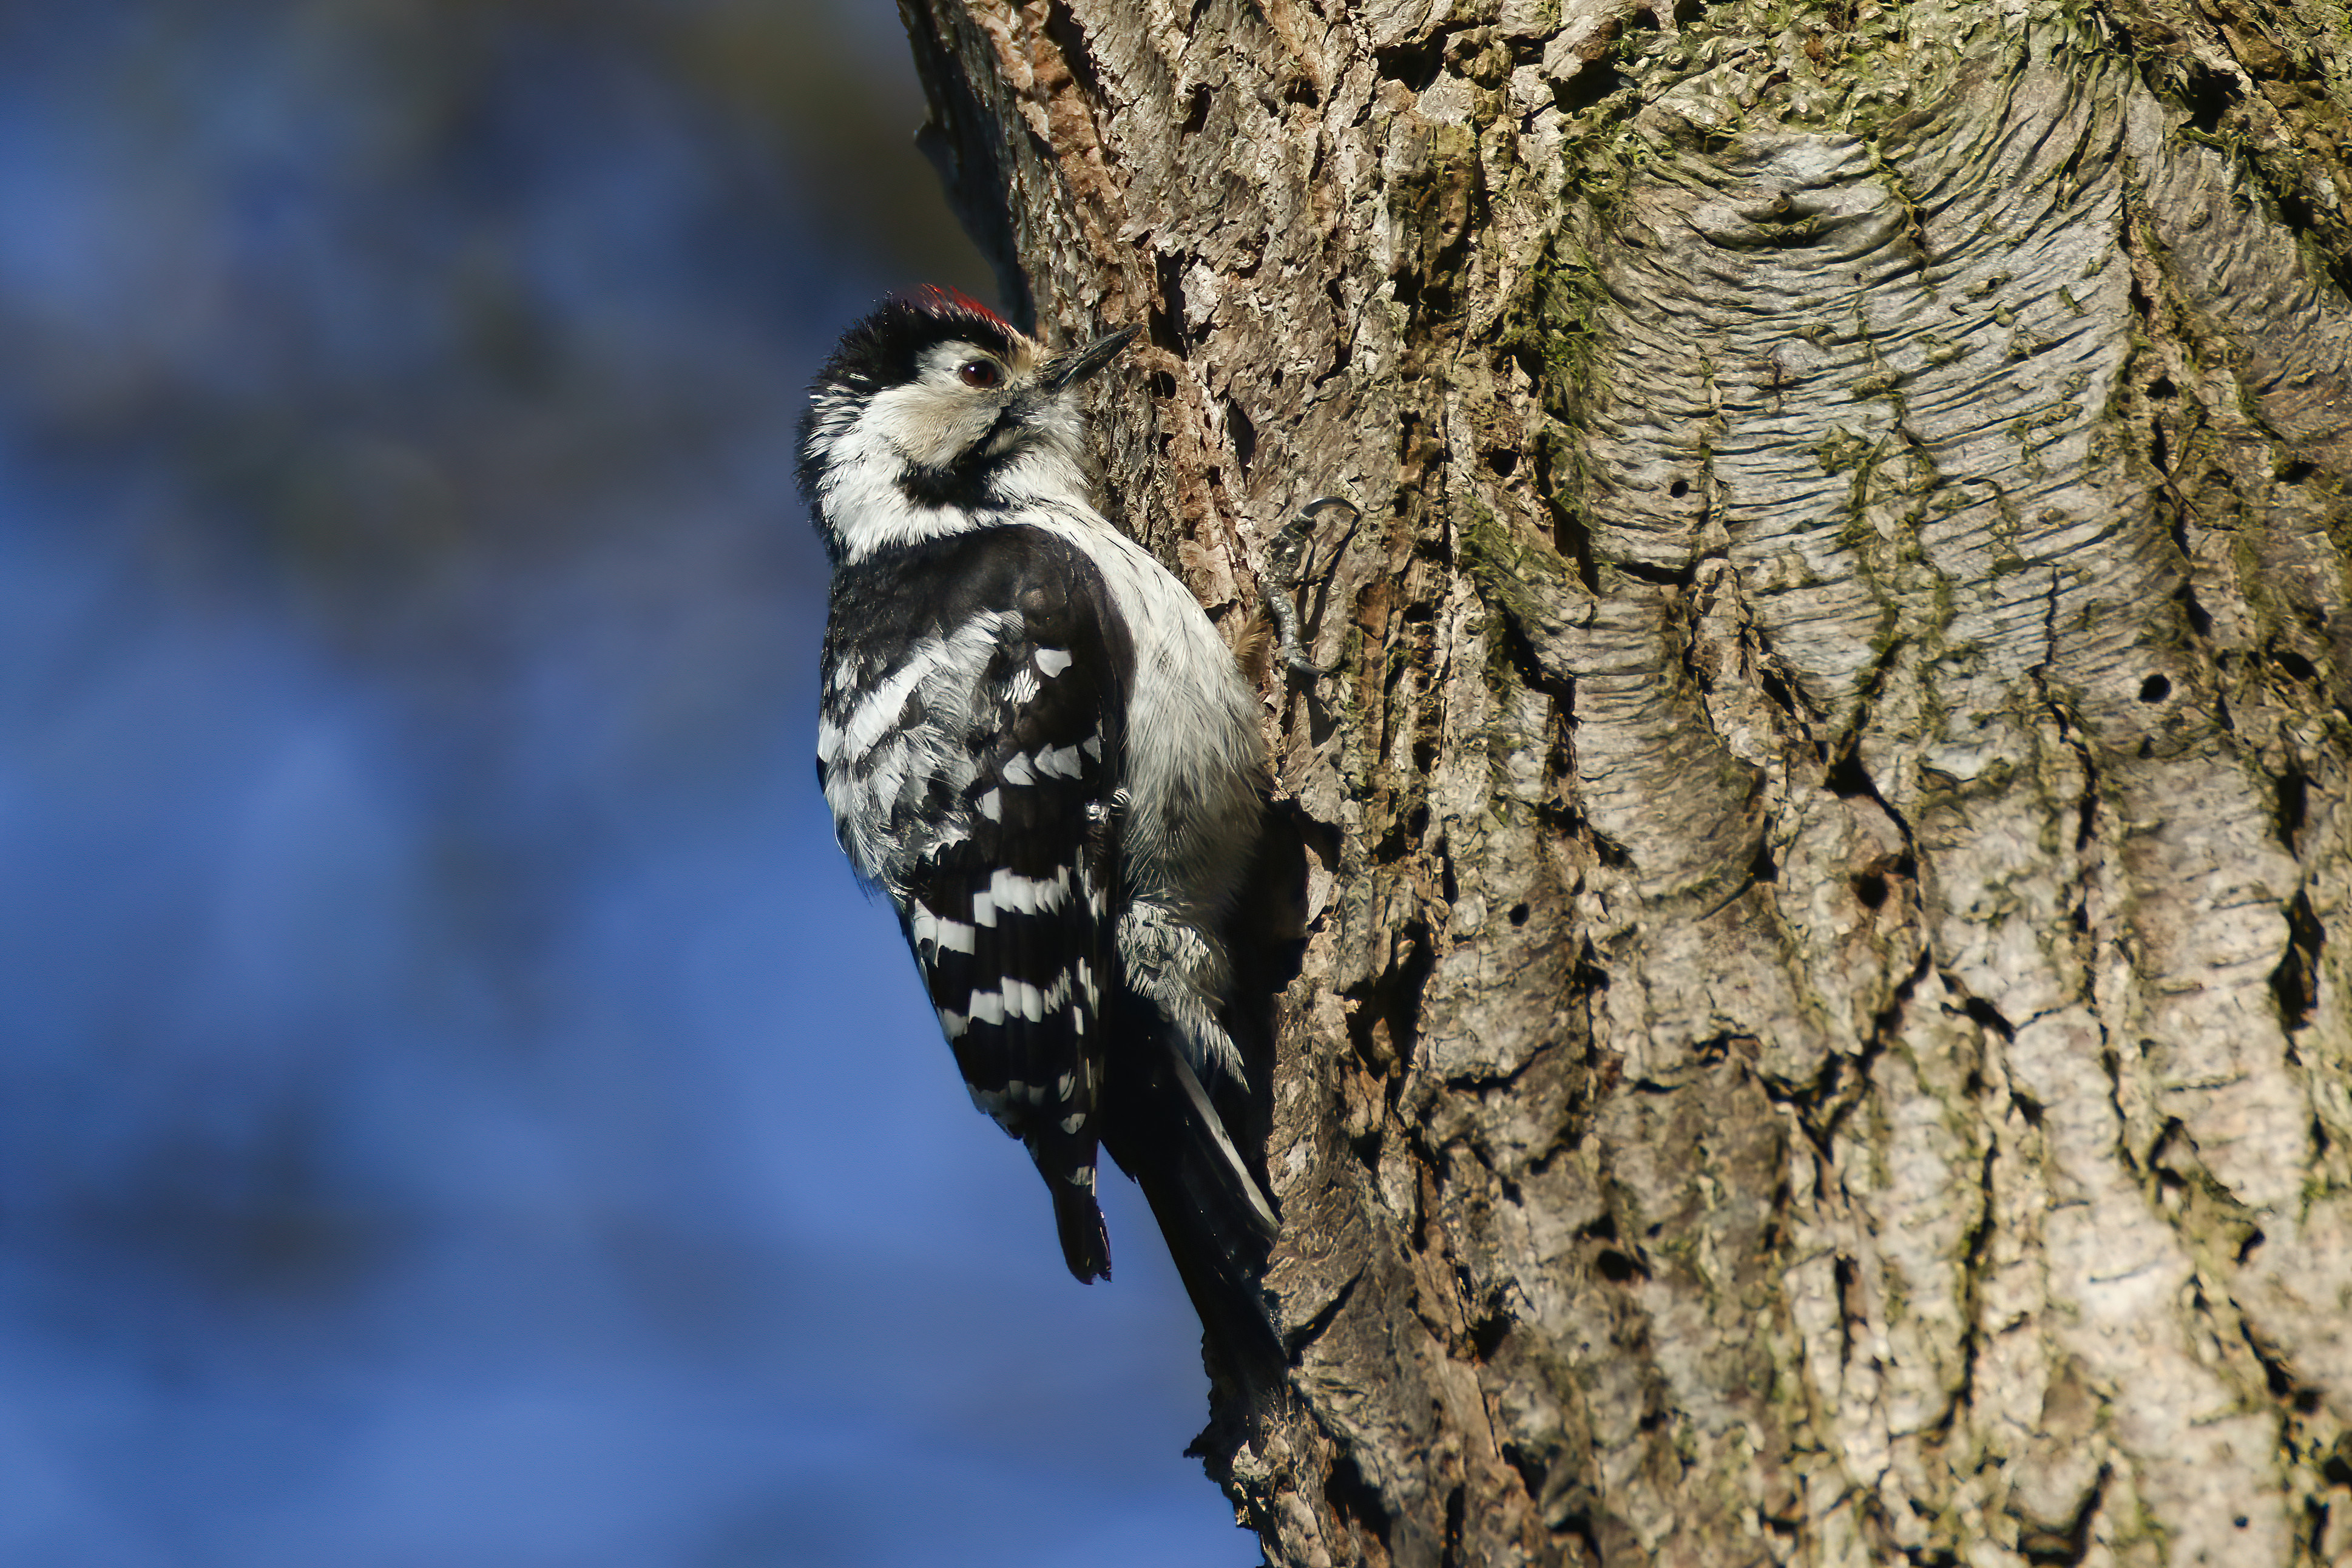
[1196,765]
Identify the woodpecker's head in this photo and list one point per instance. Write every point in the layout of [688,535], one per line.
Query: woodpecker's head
[934,416]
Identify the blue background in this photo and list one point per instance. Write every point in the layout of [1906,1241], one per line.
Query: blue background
[454,1107]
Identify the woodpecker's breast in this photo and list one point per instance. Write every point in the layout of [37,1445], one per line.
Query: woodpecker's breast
[1196,766]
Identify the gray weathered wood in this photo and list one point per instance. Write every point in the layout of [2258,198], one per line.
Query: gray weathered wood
[1820,1041]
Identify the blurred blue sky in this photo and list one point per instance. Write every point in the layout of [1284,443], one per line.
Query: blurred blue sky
[455,1107]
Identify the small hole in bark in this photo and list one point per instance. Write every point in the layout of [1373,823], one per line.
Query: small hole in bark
[1415,65]
[2161,387]
[2293,801]
[1848,781]
[1244,433]
[1531,1469]
[2295,981]
[2155,688]
[1678,489]
[1518,914]
[1163,385]
[1351,1497]
[1503,460]
[1196,112]
[1871,888]
[1167,321]
[1588,87]
[2294,473]
[1614,1266]
[2240,1521]
[2206,94]
[2294,664]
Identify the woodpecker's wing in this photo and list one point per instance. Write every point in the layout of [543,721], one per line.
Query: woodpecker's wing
[1008,910]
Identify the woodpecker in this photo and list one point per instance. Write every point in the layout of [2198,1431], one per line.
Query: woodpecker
[1034,743]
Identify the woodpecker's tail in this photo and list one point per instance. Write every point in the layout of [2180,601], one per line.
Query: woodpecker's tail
[1164,1131]
[1085,1246]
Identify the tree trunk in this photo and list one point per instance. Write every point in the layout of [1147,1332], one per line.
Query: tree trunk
[1820,1041]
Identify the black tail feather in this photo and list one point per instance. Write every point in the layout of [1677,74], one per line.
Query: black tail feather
[1077,1220]
[1195,1149]
[1164,1132]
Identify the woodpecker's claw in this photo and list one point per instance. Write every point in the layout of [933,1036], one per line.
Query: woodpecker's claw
[1287,555]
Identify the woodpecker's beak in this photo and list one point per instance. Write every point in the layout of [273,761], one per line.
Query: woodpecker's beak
[1070,369]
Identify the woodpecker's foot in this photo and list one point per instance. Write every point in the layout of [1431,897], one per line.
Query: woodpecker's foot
[1287,556]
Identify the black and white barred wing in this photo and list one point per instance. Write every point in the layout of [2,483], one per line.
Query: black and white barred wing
[969,743]
[1011,922]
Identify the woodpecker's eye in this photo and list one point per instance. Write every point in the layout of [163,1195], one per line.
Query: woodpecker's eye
[978,372]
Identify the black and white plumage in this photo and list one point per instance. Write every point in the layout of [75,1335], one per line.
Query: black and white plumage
[1034,743]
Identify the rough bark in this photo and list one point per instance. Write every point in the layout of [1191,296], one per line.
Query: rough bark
[1820,1041]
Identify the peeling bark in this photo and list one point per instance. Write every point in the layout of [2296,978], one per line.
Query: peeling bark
[1824,1034]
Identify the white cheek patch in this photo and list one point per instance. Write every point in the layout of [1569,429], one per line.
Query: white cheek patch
[927,424]
[1053,660]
